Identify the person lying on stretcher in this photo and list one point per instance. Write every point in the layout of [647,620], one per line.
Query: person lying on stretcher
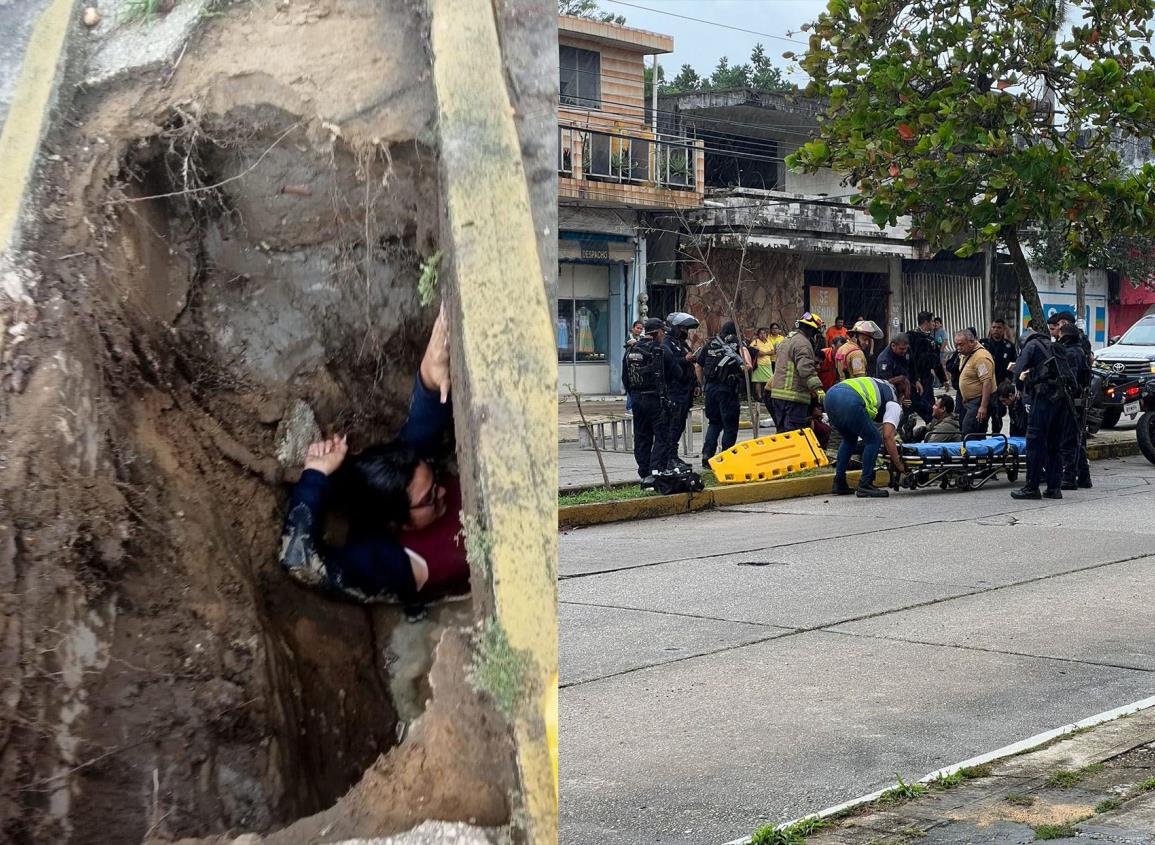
[404,514]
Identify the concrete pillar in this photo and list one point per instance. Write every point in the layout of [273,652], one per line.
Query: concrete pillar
[894,314]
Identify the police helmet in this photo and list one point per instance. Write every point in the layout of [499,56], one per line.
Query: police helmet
[682,320]
[653,324]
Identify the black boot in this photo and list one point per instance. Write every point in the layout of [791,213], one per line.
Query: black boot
[1053,494]
[1085,483]
[840,488]
[1027,493]
[1069,485]
[866,490]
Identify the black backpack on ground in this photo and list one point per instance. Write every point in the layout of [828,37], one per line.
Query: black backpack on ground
[682,480]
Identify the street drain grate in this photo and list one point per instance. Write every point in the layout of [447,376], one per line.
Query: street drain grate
[761,563]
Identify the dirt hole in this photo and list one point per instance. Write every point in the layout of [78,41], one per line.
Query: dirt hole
[221,268]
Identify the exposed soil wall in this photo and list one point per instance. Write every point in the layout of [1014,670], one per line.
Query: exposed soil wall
[217,240]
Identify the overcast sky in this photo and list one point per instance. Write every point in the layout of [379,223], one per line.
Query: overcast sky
[701,45]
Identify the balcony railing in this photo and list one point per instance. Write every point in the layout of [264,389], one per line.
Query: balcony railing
[598,156]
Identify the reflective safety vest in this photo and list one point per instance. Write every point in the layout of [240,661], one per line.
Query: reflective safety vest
[875,394]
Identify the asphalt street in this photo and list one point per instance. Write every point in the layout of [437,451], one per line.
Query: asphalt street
[725,670]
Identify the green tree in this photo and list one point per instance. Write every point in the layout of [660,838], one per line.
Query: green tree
[725,76]
[979,120]
[588,9]
[763,75]
[686,80]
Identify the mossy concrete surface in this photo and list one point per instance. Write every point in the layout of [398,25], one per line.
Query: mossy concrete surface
[1015,800]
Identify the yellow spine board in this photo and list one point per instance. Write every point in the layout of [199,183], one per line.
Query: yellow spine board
[767,458]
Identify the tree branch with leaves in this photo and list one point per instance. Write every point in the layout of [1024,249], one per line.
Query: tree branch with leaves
[979,121]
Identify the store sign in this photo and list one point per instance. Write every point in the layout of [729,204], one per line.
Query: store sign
[824,303]
[595,250]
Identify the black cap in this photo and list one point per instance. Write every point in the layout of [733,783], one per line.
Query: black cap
[1059,316]
[653,324]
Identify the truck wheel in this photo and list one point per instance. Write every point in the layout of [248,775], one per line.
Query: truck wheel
[1111,417]
[1145,428]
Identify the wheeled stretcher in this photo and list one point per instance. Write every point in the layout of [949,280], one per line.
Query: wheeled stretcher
[966,465]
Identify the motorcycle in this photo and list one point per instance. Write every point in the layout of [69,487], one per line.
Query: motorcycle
[1139,398]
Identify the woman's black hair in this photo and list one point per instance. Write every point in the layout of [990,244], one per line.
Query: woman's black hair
[374,488]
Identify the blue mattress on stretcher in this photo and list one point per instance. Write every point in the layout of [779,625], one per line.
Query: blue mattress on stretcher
[975,448]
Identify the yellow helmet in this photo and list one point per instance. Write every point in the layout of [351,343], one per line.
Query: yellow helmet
[811,319]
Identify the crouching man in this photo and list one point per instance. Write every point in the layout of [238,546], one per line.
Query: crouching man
[404,517]
[856,407]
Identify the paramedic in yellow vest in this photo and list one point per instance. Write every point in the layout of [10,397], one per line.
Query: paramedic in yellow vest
[850,360]
[855,407]
[795,376]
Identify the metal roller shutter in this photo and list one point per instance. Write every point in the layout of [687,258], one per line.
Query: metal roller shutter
[957,299]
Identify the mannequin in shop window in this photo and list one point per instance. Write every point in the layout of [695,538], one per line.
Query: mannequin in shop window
[562,333]
[585,331]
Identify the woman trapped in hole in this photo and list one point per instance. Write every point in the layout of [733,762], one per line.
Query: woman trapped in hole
[404,518]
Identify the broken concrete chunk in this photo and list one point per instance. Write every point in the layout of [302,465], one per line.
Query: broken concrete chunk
[432,833]
[297,430]
[91,16]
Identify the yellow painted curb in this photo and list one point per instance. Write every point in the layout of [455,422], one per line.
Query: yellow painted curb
[28,115]
[650,507]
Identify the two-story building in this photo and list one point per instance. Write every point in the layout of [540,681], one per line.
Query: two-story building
[613,167]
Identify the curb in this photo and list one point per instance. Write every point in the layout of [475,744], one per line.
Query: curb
[652,507]
[1012,750]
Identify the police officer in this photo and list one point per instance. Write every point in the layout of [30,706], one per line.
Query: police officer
[647,370]
[998,342]
[1076,468]
[681,386]
[1047,380]
[722,367]
[925,364]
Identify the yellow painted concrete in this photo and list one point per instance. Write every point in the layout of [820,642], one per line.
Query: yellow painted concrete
[505,402]
[28,115]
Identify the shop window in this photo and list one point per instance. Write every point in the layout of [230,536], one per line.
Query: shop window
[583,330]
[583,314]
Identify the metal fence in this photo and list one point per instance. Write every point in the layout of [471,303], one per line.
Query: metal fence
[619,157]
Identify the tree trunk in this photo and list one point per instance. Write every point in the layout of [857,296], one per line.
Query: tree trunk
[1027,288]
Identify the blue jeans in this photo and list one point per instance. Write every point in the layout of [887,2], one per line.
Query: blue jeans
[847,413]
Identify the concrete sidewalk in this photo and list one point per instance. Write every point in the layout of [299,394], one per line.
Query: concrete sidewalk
[1096,784]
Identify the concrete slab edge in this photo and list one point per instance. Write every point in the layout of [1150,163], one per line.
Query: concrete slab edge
[652,507]
[1011,750]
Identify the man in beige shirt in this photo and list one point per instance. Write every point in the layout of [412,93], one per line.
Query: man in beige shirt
[976,383]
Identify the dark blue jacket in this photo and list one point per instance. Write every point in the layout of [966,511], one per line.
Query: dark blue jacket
[891,366]
[369,567]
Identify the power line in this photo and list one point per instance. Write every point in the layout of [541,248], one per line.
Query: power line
[702,20]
